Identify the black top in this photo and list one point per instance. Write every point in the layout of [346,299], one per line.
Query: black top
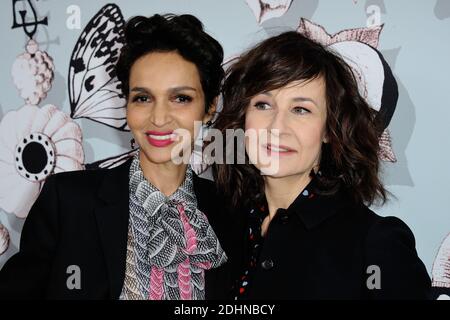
[325,247]
[81,219]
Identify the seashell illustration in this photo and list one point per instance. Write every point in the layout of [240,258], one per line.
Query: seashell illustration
[32,73]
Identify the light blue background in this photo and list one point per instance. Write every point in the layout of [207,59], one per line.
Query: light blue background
[415,41]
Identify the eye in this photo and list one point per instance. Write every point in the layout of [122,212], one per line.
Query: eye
[300,110]
[182,98]
[262,106]
[141,98]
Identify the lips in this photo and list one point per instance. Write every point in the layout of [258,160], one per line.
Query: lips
[278,149]
[160,138]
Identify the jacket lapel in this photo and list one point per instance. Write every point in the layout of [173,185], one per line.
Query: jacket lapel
[112,213]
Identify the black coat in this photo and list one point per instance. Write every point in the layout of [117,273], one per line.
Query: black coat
[81,218]
[322,248]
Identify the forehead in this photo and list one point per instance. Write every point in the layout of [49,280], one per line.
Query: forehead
[313,88]
[160,69]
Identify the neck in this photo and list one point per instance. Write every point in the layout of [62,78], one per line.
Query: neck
[167,177]
[281,192]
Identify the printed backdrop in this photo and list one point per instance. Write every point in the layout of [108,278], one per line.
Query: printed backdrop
[61,108]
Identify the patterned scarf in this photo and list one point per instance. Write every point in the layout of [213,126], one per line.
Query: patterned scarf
[172,241]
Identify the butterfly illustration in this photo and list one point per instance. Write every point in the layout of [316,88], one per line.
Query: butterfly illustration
[111,162]
[94,90]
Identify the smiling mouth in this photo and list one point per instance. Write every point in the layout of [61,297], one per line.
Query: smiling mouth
[278,149]
[160,139]
[157,137]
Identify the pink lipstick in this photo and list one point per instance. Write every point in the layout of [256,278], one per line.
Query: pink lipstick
[160,139]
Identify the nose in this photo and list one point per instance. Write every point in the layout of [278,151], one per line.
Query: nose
[278,124]
[160,115]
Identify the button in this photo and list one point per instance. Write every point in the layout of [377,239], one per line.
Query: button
[284,218]
[267,264]
[283,215]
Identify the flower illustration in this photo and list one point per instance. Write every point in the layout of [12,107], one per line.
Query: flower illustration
[32,73]
[318,33]
[34,143]
[268,9]
[4,239]
[441,265]
[376,83]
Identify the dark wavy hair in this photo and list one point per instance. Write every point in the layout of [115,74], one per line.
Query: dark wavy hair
[183,34]
[349,160]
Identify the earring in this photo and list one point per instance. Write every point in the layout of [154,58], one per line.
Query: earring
[132,142]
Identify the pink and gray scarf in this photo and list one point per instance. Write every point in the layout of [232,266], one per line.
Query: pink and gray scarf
[172,241]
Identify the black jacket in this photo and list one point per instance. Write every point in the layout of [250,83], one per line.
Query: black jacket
[323,248]
[81,218]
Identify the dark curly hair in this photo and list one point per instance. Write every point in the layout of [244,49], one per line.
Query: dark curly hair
[165,33]
[349,160]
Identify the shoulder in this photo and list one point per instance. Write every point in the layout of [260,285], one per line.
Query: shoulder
[205,190]
[380,231]
[389,238]
[388,246]
[88,180]
[77,190]
[203,184]
[78,176]
[391,247]
[386,229]
[76,182]
[364,218]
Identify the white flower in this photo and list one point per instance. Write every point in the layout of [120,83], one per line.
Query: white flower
[34,143]
[357,46]
[32,74]
[4,239]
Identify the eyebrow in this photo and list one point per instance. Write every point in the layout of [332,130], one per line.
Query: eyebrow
[296,99]
[172,90]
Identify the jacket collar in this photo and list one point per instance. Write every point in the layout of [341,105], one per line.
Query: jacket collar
[313,209]
[112,213]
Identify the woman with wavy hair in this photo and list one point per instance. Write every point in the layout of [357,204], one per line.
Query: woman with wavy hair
[306,228]
[149,228]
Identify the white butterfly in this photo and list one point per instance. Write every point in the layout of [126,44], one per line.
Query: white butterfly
[94,90]
[111,162]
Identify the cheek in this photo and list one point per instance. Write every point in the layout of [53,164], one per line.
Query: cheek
[133,118]
[190,119]
[254,136]
[310,136]
[253,121]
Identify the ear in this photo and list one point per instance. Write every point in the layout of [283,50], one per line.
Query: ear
[211,111]
[325,138]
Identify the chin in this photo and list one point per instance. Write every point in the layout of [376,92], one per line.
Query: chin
[157,156]
[277,175]
[280,173]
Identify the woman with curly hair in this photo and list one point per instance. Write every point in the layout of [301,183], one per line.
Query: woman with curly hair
[149,228]
[306,229]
